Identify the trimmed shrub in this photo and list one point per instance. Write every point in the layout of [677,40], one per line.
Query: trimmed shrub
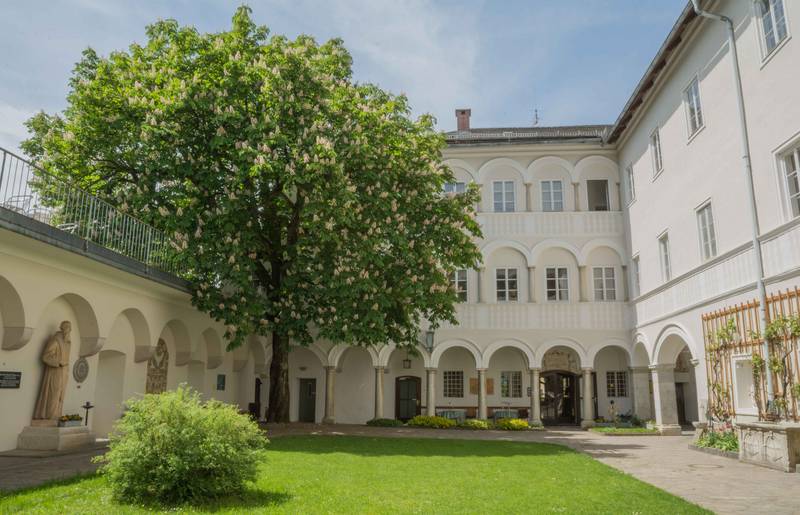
[475,424]
[512,424]
[432,422]
[172,448]
[723,440]
[384,422]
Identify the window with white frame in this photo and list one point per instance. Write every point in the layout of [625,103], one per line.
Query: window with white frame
[458,281]
[791,166]
[655,150]
[605,283]
[705,227]
[503,196]
[635,276]
[455,187]
[694,111]
[507,287]
[557,283]
[663,252]
[630,183]
[773,23]
[511,383]
[552,196]
[616,383]
[453,383]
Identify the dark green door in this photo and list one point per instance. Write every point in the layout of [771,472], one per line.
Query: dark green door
[558,394]
[407,397]
[308,400]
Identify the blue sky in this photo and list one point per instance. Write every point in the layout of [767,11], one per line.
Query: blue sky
[576,61]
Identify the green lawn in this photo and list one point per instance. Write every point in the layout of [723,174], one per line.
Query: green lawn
[624,430]
[339,474]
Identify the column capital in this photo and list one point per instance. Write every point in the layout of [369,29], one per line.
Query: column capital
[587,370]
[694,362]
[379,367]
[662,367]
[431,369]
[535,369]
[641,369]
[481,369]
[330,367]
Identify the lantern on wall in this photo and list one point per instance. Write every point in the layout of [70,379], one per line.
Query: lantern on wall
[429,341]
[407,362]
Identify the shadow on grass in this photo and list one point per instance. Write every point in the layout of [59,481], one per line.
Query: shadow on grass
[251,498]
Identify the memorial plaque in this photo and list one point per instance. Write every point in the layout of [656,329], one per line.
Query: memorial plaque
[10,379]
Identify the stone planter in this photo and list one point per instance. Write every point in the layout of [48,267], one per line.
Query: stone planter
[770,445]
[716,452]
[699,429]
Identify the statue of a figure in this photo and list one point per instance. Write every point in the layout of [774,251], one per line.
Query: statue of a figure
[56,373]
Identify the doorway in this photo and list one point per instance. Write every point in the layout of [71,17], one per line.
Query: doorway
[308,400]
[597,192]
[256,404]
[408,391]
[558,396]
[680,397]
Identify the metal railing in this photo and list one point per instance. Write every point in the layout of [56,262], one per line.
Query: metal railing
[33,192]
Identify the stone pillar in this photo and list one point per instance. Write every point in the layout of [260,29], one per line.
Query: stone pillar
[666,403]
[379,392]
[536,411]
[528,197]
[478,285]
[330,379]
[588,405]
[482,394]
[640,384]
[583,283]
[577,196]
[531,284]
[431,391]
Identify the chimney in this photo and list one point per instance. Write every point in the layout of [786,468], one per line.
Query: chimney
[462,117]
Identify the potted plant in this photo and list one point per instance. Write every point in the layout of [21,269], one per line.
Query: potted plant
[72,420]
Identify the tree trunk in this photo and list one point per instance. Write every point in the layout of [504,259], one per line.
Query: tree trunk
[278,410]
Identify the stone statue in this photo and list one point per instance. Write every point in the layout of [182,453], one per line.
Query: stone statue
[54,381]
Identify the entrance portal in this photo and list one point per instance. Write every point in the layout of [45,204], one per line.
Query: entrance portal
[308,400]
[558,394]
[408,390]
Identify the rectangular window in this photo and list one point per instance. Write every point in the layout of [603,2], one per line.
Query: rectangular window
[605,284]
[636,276]
[453,383]
[705,226]
[458,281]
[694,111]
[455,187]
[655,150]
[630,184]
[616,383]
[557,283]
[506,279]
[503,196]
[511,384]
[791,164]
[663,251]
[773,23]
[597,191]
[552,196]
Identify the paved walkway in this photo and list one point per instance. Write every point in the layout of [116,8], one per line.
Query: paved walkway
[720,484]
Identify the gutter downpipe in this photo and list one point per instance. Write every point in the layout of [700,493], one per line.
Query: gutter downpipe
[751,195]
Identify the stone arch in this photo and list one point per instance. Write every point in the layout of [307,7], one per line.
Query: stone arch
[562,342]
[620,344]
[336,353]
[488,249]
[142,340]
[16,332]
[592,245]
[88,327]
[540,247]
[385,354]
[509,343]
[253,345]
[440,349]
[640,356]
[670,342]
[498,162]
[314,349]
[537,165]
[460,163]
[213,345]
[181,341]
[593,162]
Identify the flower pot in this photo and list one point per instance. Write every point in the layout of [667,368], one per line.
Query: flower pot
[70,423]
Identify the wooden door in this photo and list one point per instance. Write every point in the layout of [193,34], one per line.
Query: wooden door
[308,400]
[407,397]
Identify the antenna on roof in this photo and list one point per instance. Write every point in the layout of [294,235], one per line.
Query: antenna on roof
[535,117]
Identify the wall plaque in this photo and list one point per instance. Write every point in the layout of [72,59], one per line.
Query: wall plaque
[10,379]
[80,370]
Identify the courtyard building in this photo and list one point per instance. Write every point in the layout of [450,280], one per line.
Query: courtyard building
[603,246]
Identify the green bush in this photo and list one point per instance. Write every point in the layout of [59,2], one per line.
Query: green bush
[432,422]
[172,448]
[384,422]
[512,424]
[475,424]
[724,440]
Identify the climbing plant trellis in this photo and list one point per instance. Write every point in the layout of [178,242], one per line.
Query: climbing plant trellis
[734,333]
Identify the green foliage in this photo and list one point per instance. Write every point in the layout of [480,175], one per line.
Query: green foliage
[298,200]
[624,430]
[728,332]
[783,327]
[512,424]
[758,365]
[173,448]
[475,424]
[724,440]
[431,422]
[384,422]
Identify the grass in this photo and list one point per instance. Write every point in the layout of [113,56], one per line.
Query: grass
[343,474]
[624,430]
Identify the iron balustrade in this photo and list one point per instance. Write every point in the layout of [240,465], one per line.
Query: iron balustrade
[31,191]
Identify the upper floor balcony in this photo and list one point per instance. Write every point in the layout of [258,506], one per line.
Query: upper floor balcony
[543,315]
[549,224]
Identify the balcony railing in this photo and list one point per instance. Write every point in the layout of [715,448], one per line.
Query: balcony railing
[543,315]
[33,192]
[576,223]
